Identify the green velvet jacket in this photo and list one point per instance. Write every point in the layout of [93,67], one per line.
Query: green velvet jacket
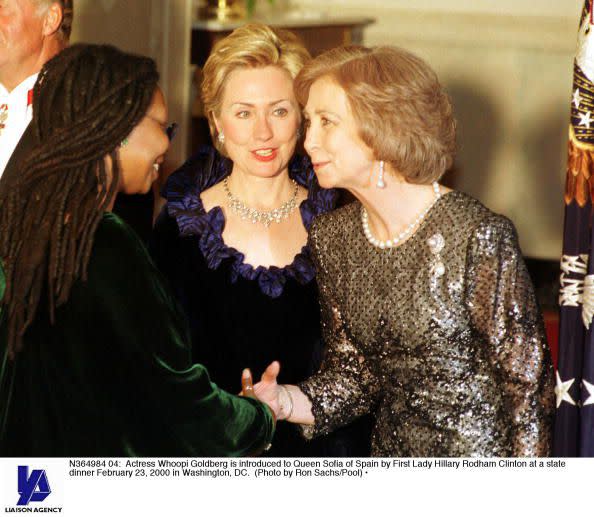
[113,376]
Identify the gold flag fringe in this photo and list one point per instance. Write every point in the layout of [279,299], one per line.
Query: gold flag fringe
[579,183]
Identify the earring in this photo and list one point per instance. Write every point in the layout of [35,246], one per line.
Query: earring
[299,133]
[221,138]
[380,180]
[124,142]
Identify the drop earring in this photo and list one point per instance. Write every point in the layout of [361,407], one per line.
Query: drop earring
[221,138]
[380,179]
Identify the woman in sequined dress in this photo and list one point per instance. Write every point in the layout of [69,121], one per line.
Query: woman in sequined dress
[232,238]
[429,314]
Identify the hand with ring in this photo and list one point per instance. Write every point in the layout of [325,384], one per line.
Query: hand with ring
[247,384]
[267,390]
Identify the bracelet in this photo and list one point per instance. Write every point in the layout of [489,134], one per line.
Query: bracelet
[282,386]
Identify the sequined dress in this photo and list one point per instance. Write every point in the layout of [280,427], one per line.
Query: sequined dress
[451,364]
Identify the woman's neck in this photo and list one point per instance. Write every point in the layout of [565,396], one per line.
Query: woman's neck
[392,209]
[261,193]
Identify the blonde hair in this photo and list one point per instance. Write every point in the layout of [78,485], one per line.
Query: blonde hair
[254,45]
[401,109]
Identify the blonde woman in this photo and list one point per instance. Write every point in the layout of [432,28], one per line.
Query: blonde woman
[429,314]
[232,238]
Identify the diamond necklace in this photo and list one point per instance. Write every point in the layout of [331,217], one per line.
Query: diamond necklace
[395,241]
[266,217]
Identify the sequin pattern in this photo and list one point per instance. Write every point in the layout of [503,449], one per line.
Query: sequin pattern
[452,360]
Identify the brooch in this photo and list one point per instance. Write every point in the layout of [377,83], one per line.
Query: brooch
[436,244]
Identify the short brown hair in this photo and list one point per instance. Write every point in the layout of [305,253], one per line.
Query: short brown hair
[254,45]
[401,109]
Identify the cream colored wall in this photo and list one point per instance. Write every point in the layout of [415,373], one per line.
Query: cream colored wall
[157,28]
[512,7]
[508,67]
[506,63]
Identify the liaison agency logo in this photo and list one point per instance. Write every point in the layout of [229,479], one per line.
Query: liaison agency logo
[33,492]
[32,487]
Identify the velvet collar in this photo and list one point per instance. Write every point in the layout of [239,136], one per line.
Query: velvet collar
[205,169]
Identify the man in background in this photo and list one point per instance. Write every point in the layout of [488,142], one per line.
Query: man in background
[31,33]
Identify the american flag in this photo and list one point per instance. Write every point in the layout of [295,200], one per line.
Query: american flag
[574,423]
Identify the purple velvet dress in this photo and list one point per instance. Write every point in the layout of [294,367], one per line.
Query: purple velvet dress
[244,316]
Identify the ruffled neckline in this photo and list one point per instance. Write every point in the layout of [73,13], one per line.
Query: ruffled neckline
[206,168]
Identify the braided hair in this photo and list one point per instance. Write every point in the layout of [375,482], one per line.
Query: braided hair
[86,101]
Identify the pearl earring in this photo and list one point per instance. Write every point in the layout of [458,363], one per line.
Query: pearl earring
[221,138]
[380,180]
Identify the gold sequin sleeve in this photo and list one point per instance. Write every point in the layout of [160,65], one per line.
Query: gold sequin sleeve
[451,360]
[345,387]
[504,312]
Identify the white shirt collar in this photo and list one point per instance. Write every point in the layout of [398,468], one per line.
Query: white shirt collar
[19,116]
[21,89]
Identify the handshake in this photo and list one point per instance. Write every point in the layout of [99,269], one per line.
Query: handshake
[286,402]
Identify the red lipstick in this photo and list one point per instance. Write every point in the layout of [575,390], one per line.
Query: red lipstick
[268,157]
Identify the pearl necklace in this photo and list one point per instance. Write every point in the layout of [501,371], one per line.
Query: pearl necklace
[395,241]
[266,217]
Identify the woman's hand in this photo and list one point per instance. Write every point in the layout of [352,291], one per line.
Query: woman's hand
[287,402]
[267,390]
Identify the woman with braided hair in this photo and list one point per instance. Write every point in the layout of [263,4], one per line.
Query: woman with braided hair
[93,355]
